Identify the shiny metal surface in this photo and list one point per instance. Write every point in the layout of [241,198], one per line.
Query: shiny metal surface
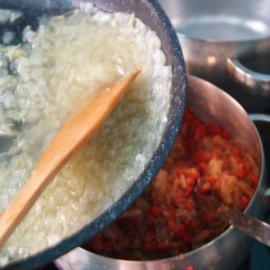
[258,83]
[213,31]
[220,20]
[150,12]
[228,250]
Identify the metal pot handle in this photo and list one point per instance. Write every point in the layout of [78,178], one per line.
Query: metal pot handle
[265,120]
[256,83]
[260,117]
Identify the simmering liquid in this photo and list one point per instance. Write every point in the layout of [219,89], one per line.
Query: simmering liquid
[222,28]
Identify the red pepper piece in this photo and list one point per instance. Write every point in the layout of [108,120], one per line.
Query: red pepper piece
[163,246]
[211,179]
[97,243]
[177,198]
[187,191]
[148,240]
[186,221]
[179,230]
[247,167]
[207,218]
[240,173]
[199,133]
[201,156]
[191,180]
[172,217]
[195,224]
[178,172]
[225,134]
[150,221]
[253,179]
[236,155]
[187,116]
[213,129]
[202,167]
[189,205]
[155,210]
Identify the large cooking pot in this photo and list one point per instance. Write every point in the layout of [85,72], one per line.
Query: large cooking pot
[150,12]
[220,40]
[228,250]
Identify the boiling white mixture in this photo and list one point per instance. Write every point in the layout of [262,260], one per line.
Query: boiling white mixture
[41,81]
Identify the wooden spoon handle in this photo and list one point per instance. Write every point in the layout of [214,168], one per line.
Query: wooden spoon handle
[72,135]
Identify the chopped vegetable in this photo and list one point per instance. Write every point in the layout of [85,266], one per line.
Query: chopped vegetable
[169,222]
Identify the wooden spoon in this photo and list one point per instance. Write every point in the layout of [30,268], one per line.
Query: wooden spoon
[72,135]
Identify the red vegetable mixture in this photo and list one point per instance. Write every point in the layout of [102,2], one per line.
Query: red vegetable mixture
[165,221]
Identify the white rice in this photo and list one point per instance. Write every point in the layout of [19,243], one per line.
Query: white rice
[55,69]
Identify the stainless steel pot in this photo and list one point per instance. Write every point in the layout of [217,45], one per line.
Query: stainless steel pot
[229,249]
[218,38]
[150,12]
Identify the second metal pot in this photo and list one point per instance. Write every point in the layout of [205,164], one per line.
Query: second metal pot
[217,37]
